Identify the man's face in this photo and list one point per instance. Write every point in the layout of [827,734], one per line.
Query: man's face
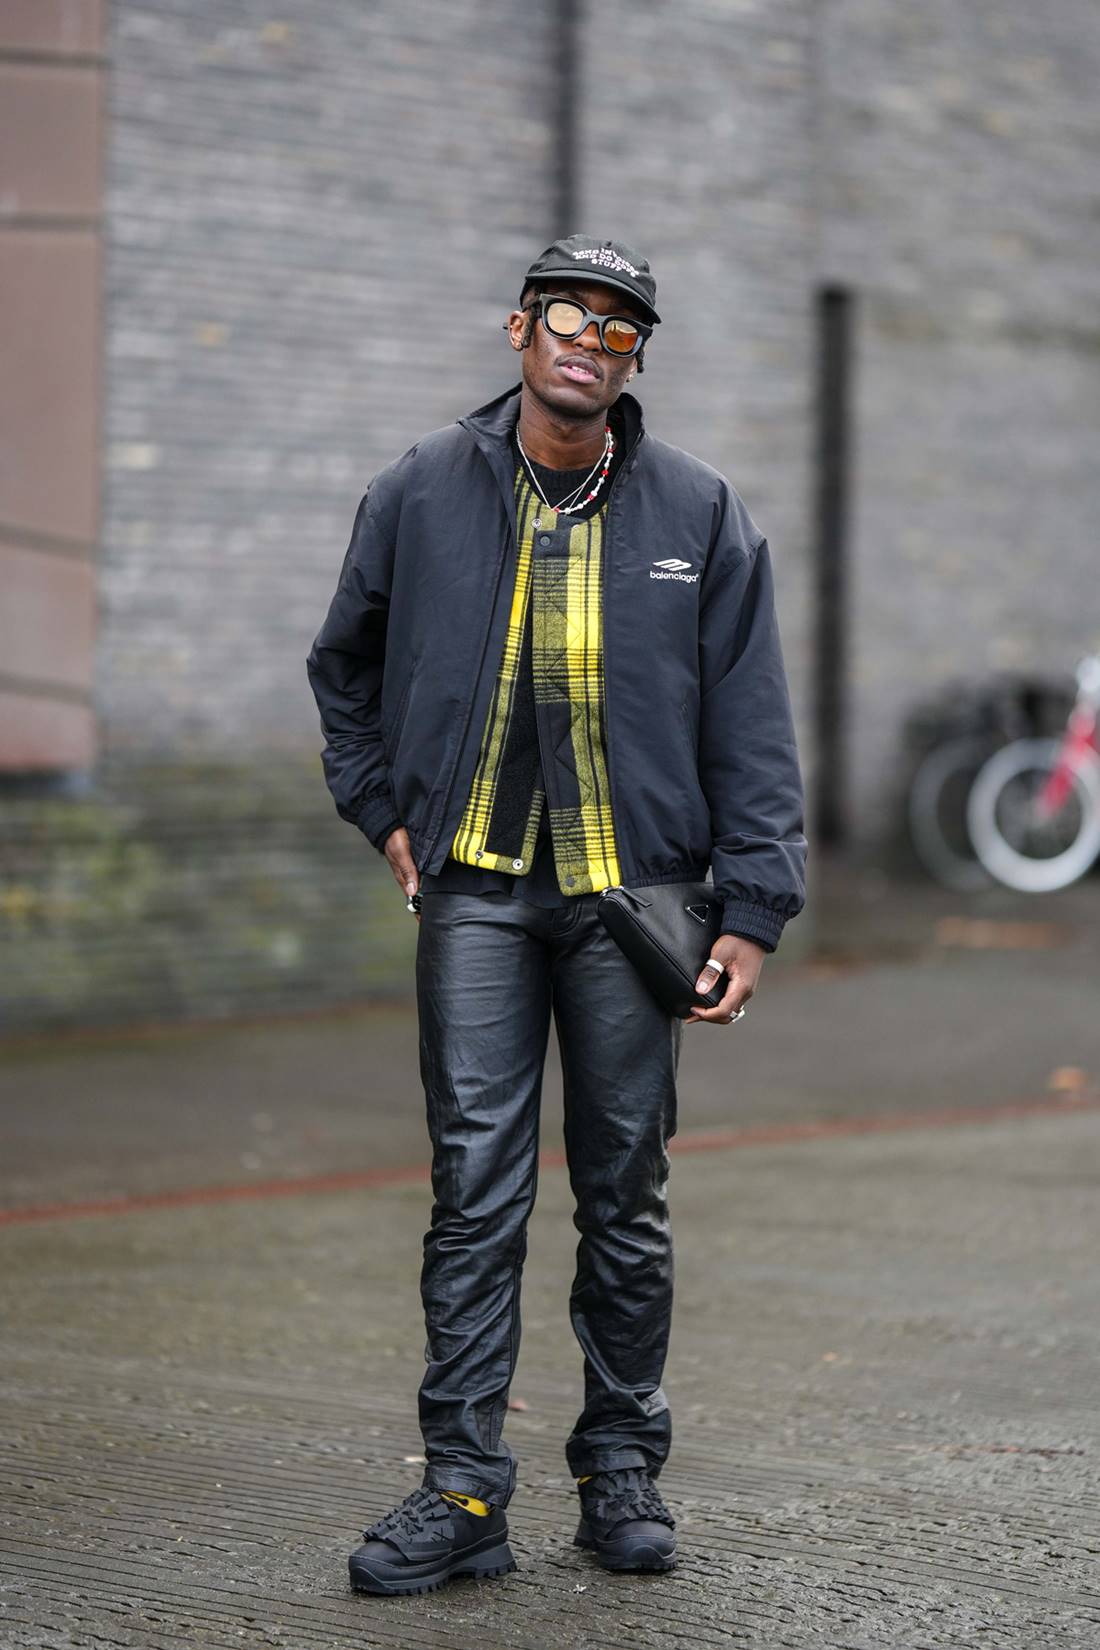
[575,377]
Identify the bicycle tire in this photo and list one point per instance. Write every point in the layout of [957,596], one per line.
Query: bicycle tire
[1002,859]
[952,864]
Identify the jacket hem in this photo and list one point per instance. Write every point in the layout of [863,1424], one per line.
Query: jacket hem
[684,873]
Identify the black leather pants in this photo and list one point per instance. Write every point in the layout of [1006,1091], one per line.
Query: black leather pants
[489,969]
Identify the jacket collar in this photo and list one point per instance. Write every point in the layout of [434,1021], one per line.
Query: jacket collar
[491,427]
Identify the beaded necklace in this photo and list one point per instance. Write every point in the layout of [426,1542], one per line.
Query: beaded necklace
[574,496]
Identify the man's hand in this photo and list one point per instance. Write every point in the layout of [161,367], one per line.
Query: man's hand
[743,961]
[402,864]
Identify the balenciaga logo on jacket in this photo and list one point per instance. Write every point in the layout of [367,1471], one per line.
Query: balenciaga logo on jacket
[673,568]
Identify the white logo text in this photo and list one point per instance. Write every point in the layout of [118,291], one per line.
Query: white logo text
[672,568]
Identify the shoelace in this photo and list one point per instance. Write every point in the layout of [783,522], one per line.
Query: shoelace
[414,1516]
[628,1492]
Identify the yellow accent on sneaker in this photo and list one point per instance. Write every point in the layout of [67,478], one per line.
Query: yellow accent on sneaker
[480,1509]
[586,1477]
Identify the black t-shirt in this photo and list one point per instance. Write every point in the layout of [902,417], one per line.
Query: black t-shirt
[539,885]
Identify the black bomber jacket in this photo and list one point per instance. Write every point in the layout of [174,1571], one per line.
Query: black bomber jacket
[702,762]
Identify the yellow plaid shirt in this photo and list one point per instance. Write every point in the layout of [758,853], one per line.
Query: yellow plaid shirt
[544,733]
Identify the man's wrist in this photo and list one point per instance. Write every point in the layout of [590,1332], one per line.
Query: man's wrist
[732,934]
[384,835]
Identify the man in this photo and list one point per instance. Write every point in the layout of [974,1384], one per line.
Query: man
[552,666]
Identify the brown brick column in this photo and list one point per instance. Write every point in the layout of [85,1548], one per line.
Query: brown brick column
[52,84]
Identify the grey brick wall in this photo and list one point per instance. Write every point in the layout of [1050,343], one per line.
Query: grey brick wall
[962,203]
[314,223]
[708,122]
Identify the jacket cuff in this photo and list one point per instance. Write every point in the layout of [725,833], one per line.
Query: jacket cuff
[378,817]
[759,923]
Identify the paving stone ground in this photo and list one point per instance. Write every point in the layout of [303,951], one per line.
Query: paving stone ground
[883,1383]
[884,1362]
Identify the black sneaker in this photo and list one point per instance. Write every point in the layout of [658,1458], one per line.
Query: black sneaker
[625,1522]
[426,1540]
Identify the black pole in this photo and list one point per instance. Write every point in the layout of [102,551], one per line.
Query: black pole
[831,608]
[565,168]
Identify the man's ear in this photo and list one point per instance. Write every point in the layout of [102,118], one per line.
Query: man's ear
[514,326]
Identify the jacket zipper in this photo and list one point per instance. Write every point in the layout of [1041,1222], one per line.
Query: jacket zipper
[473,695]
[605,582]
[625,471]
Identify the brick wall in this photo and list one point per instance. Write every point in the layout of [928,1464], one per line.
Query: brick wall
[710,126]
[314,223]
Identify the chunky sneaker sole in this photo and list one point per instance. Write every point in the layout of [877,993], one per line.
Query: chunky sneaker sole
[380,1578]
[655,1550]
[425,1541]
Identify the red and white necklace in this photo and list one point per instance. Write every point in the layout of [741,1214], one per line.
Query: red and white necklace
[574,497]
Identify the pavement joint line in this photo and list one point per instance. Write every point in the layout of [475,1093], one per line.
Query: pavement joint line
[695,1141]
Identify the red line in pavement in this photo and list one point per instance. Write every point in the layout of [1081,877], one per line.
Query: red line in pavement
[353,1180]
[699,1140]
[765,1134]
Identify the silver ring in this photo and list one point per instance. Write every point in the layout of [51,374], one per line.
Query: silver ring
[715,962]
[740,1015]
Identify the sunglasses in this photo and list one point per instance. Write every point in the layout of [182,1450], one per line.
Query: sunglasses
[565,318]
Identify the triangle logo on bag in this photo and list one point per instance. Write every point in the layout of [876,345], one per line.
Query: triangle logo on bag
[699,912]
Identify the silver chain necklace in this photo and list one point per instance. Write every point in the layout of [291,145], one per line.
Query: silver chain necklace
[574,495]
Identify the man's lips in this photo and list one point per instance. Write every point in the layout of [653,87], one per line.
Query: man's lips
[579,370]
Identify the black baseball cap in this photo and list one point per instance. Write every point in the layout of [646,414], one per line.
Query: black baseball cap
[584,258]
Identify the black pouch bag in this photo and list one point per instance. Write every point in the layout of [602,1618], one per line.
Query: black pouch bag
[667,931]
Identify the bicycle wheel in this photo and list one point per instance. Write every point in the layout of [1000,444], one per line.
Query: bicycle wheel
[1017,842]
[937,813]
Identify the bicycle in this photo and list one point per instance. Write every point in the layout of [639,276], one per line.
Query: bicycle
[1033,813]
[952,737]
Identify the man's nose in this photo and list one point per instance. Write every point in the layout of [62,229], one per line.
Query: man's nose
[590,337]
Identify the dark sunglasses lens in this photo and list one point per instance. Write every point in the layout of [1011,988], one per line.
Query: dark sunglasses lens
[564,318]
[620,337]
